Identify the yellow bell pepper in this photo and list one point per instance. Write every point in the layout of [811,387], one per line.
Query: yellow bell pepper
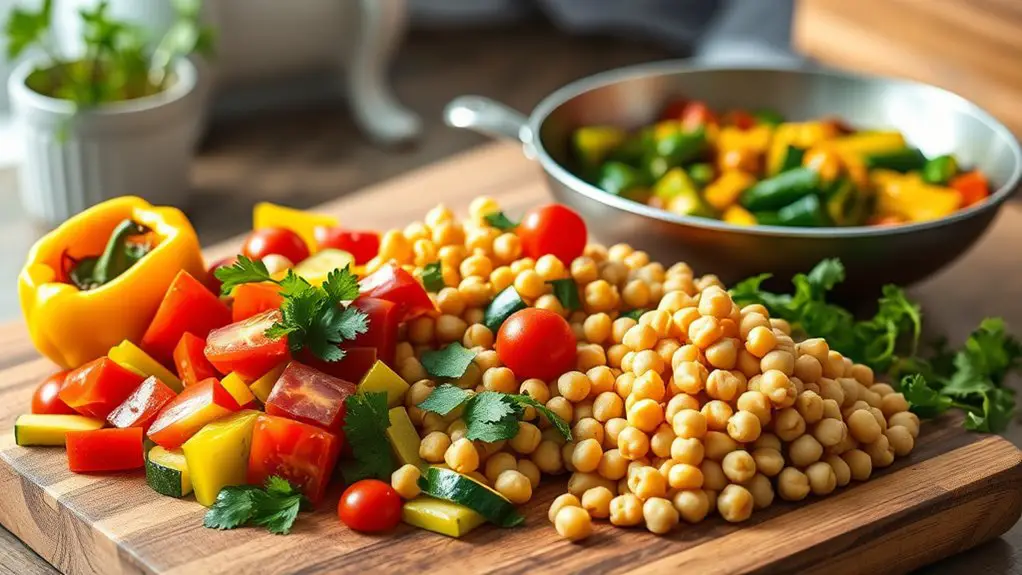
[800,135]
[238,389]
[131,357]
[217,455]
[262,387]
[724,191]
[73,327]
[381,377]
[267,215]
[908,196]
[739,216]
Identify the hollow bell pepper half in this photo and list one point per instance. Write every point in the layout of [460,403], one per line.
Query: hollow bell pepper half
[73,327]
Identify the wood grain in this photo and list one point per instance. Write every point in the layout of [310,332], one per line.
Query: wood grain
[956,489]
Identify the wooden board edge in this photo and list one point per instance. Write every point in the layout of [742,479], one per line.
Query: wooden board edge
[956,501]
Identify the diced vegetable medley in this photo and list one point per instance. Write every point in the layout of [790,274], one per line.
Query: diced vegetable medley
[758,169]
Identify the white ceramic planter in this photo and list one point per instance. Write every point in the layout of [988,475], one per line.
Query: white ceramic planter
[139,147]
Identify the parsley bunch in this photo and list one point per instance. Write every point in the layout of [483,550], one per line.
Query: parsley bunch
[312,317]
[489,415]
[366,420]
[934,379]
[276,506]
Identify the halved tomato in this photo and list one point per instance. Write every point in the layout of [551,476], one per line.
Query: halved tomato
[310,396]
[243,347]
[357,361]
[193,408]
[188,307]
[303,454]
[394,284]
[97,387]
[384,318]
[143,405]
[192,365]
[253,299]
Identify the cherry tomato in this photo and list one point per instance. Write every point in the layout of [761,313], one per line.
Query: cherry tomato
[363,245]
[280,241]
[370,505]
[536,343]
[243,347]
[45,399]
[211,280]
[553,229]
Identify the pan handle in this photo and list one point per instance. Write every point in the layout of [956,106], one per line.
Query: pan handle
[488,117]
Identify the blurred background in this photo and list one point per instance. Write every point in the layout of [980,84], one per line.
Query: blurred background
[307,101]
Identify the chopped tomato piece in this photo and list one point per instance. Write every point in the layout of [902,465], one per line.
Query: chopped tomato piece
[303,454]
[253,299]
[311,396]
[188,307]
[105,450]
[971,186]
[143,405]
[243,347]
[383,323]
[357,361]
[362,245]
[394,284]
[696,115]
[193,408]
[674,110]
[740,119]
[192,365]
[97,387]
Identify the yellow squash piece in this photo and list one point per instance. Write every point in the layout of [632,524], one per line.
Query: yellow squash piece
[440,516]
[403,438]
[907,196]
[238,389]
[262,387]
[868,143]
[267,215]
[217,455]
[381,378]
[593,143]
[47,429]
[131,357]
[739,216]
[803,135]
[315,268]
[723,192]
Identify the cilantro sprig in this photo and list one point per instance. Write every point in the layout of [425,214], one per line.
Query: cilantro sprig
[500,221]
[933,378]
[274,506]
[489,415]
[312,317]
[450,362]
[366,421]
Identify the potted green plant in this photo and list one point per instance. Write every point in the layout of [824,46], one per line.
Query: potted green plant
[122,118]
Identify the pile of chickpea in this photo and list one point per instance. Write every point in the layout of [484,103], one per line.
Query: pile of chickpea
[698,406]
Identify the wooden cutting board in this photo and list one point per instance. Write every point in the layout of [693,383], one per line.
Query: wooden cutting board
[957,489]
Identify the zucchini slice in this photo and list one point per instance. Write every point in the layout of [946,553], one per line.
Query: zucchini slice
[457,488]
[49,429]
[503,305]
[167,472]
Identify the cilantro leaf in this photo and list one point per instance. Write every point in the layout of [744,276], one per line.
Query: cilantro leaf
[232,508]
[293,284]
[365,426]
[491,431]
[341,285]
[995,412]
[242,271]
[276,513]
[491,416]
[449,362]
[500,221]
[444,399]
[277,485]
[925,401]
[276,507]
[566,291]
[558,423]
[433,277]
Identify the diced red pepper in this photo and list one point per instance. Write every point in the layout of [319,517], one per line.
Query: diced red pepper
[303,454]
[394,284]
[674,110]
[310,396]
[105,450]
[357,361]
[193,408]
[97,387]
[740,119]
[143,405]
[697,115]
[972,186]
[253,299]
[190,360]
[362,245]
[243,347]
[384,320]
[188,307]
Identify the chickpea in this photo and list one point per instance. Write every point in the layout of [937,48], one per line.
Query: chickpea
[612,465]
[713,475]
[589,356]
[822,479]
[690,377]
[497,464]
[573,523]
[704,331]
[830,432]
[722,384]
[779,360]
[778,388]
[529,285]
[405,481]
[715,302]
[692,504]
[584,270]
[586,456]
[760,341]
[462,456]
[768,461]
[842,473]
[599,296]
[395,246]
[689,423]
[660,515]
[646,415]
[457,429]
[685,476]
[757,404]
[831,409]
[550,302]
[880,452]
[901,440]
[597,328]
[647,482]
[717,414]
[859,464]
[474,315]
[744,427]
[611,429]
[880,419]
[636,294]
[872,398]
[421,330]
[588,428]
[450,328]
[863,426]
[507,247]
[804,451]
[788,424]
[747,364]
[792,484]
[637,259]
[521,264]
[478,209]
[768,440]
[906,419]
[632,443]
[640,337]
[471,378]
[661,440]
[672,301]
[474,291]
[418,392]
[684,318]
[601,380]
[597,502]
[530,470]
[735,503]
[808,368]
[449,301]
[717,445]
[527,438]
[677,403]
[433,446]
[893,403]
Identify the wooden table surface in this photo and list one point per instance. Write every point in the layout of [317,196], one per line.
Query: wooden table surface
[987,281]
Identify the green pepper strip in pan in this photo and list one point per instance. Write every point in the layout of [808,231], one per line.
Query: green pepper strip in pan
[779,191]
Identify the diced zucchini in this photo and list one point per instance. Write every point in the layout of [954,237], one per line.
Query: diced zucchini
[403,437]
[167,472]
[503,305]
[381,378]
[217,455]
[454,487]
[440,516]
[48,429]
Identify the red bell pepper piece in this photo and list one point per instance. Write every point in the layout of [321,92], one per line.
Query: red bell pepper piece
[188,307]
[740,119]
[384,319]
[394,284]
[193,408]
[674,109]
[143,405]
[364,246]
[310,396]
[190,360]
[105,450]
[97,387]
[357,361]
[696,115]
[243,347]
[972,186]
[253,299]
[303,454]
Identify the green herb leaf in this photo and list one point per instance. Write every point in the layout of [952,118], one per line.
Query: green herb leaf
[500,221]
[294,284]
[275,512]
[924,400]
[341,285]
[433,277]
[634,314]
[558,423]
[365,429]
[566,292]
[995,412]
[276,507]
[444,399]
[242,271]
[25,28]
[450,362]
[490,416]
[233,508]
[277,485]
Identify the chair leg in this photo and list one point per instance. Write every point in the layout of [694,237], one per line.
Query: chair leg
[380,28]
